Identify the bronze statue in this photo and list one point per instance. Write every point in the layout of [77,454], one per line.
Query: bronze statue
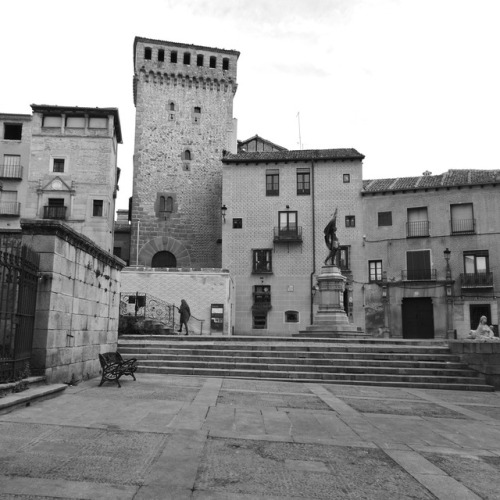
[331,240]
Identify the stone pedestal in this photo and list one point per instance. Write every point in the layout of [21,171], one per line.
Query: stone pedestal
[331,319]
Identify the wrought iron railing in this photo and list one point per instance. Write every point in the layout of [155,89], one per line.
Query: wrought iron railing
[10,208]
[11,172]
[476,280]
[54,212]
[288,233]
[418,274]
[417,229]
[463,226]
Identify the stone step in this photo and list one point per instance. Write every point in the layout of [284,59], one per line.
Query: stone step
[362,369]
[413,381]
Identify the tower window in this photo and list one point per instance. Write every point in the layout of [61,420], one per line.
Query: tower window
[187,58]
[225,64]
[12,131]
[199,60]
[197,114]
[161,55]
[173,56]
[162,203]
[213,62]
[171,106]
[350,221]
[346,178]
[58,165]
[147,53]
[97,208]
[169,204]
[186,156]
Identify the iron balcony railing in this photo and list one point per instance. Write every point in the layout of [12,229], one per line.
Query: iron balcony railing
[476,280]
[463,226]
[11,172]
[418,274]
[417,229]
[52,212]
[10,208]
[288,233]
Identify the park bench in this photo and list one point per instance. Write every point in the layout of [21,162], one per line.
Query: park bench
[114,367]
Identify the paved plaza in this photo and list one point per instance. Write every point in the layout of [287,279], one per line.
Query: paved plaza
[174,437]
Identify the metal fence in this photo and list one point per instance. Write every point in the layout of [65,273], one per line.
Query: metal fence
[18,288]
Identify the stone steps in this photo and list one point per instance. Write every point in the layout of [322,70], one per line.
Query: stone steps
[426,364]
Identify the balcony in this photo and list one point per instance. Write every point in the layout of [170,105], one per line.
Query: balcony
[12,208]
[463,226]
[288,234]
[54,212]
[476,280]
[11,172]
[418,274]
[417,229]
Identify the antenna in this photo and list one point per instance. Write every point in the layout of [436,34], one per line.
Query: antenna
[300,139]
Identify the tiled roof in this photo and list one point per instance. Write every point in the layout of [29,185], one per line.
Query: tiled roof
[294,155]
[448,179]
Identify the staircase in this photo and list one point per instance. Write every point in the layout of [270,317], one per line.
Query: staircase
[383,362]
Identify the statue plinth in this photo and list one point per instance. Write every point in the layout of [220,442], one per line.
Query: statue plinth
[331,319]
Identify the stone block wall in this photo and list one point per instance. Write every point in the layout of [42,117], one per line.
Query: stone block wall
[77,303]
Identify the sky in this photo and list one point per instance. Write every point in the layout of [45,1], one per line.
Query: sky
[414,85]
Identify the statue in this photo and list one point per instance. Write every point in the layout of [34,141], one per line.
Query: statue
[331,240]
[483,332]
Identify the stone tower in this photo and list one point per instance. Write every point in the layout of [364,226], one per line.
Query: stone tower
[183,96]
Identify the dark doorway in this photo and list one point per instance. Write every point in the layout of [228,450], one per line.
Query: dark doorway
[418,318]
[478,310]
[164,259]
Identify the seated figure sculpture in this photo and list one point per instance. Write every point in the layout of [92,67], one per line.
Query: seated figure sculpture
[483,332]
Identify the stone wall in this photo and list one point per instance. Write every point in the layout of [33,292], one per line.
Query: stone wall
[77,303]
[483,357]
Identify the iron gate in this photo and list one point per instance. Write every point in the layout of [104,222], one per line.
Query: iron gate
[18,288]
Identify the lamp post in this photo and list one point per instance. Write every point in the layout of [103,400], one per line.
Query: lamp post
[447,254]
[449,298]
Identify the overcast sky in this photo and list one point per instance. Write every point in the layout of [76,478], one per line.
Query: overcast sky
[413,85]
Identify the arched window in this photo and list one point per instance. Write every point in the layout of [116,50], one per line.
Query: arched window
[162,203]
[172,106]
[187,155]
[164,259]
[169,205]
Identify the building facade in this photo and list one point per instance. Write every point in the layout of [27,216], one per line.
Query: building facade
[73,172]
[184,125]
[278,204]
[432,264]
[15,143]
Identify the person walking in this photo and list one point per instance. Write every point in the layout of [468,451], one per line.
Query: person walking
[185,314]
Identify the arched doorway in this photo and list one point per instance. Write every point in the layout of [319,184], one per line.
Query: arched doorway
[164,259]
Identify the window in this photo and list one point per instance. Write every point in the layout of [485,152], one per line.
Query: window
[259,320]
[97,207]
[162,203]
[171,106]
[374,270]
[163,259]
[199,60]
[187,58]
[462,219]
[418,265]
[303,181]
[291,316]
[476,262]
[225,63]
[75,122]
[350,221]
[98,122]
[196,114]
[346,178]
[8,203]
[161,55]
[272,182]
[186,156]
[147,53]
[173,56]
[12,131]
[52,121]
[237,223]
[55,209]
[262,261]
[385,218]
[418,223]
[213,61]
[169,204]
[58,165]
[287,224]
[11,167]
[262,295]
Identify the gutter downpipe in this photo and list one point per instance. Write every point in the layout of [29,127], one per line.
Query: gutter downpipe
[137,251]
[313,241]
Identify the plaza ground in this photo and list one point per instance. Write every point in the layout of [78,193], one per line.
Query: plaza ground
[176,437]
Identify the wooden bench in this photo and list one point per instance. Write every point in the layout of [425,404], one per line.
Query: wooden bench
[114,367]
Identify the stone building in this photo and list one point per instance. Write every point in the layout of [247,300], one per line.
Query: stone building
[278,204]
[184,125]
[15,142]
[73,172]
[431,253]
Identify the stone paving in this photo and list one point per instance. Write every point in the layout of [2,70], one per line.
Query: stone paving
[174,437]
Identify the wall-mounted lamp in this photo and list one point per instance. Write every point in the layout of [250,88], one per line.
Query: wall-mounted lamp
[223,211]
[447,253]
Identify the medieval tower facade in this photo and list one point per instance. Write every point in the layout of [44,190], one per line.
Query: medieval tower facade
[184,126]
